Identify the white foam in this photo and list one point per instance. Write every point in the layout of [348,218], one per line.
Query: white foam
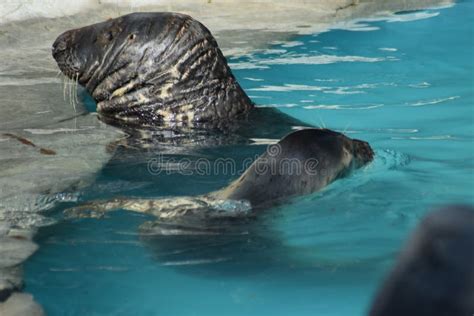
[435,137]
[324,107]
[287,105]
[388,49]
[289,87]
[325,80]
[355,26]
[402,130]
[343,90]
[292,44]
[362,25]
[259,97]
[305,60]
[319,60]
[264,141]
[253,79]
[274,51]
[193,262]
[435,101]
[415,16]
[246,65]
[341,107]
[420,85]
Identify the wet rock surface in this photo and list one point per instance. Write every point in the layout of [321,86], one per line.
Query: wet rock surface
[21,304]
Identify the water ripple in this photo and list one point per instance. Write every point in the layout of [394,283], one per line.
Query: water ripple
[341,107]
[434,101]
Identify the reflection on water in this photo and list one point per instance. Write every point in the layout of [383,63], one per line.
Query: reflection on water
[404,84]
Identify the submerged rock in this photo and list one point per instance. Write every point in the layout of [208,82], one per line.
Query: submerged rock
[11,280]
[16,246]
[21,304]
[15,249]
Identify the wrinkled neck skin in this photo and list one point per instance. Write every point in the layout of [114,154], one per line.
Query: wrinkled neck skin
[179,77]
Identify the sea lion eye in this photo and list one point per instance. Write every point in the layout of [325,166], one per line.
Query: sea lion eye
[132,37]
[109,36]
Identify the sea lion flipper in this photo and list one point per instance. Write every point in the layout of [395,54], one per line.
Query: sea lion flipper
[95,209]
[166,209]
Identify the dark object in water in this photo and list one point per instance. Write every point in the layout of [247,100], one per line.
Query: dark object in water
[434,274]
[149,69]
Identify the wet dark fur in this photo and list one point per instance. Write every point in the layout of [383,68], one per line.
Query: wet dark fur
[434,274]
[301,163]
[148,68]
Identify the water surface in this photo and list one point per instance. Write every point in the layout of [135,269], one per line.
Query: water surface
[403,83]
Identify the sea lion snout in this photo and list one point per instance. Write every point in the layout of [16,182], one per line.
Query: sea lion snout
[60,44]
[65,53]
[362,152]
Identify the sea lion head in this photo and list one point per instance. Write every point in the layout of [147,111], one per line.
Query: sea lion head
[302,162]
[362,152]
[150,68]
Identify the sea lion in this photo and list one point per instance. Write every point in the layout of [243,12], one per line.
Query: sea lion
[434,274]
[303,162]
[148,69]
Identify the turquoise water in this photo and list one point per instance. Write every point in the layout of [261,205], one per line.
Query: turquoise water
[405,84]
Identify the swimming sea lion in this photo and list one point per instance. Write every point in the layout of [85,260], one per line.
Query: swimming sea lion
[147,69]
[303,162]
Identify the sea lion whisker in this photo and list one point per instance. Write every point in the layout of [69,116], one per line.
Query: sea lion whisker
[345,129]
[63,79]
[76,84]
[71,98]
[322,122]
